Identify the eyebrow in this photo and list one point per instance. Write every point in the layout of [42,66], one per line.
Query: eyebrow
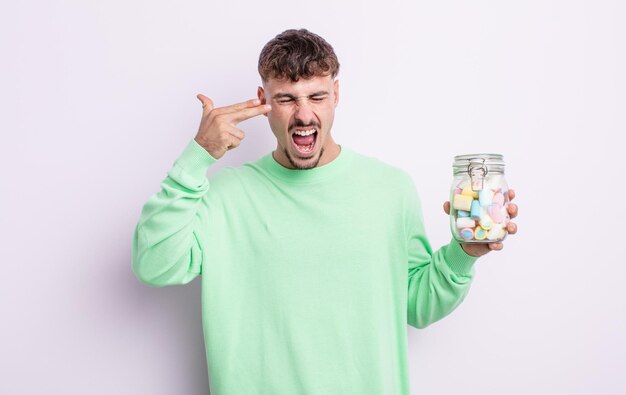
[280,95]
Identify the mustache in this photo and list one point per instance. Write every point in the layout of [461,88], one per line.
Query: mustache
[300,124]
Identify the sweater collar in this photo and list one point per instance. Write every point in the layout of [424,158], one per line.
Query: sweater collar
[316,174]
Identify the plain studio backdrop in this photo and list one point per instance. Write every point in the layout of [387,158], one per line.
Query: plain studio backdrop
[98,100]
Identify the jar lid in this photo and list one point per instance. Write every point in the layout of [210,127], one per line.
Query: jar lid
[492,163]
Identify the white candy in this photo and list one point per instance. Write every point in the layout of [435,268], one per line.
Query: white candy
[465,222]
[485,197]
[496,232]
[493,182]
[486,222]
[463,184]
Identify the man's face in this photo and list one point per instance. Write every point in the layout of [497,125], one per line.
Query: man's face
[298,108]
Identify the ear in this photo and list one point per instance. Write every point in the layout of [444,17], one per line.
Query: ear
[336,90]
[261,95]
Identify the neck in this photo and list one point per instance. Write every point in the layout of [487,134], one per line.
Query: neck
[330,153]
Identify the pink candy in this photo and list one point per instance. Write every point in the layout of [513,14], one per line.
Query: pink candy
[495,212]
[498,199]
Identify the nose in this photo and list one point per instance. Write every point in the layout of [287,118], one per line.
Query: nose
[304,113]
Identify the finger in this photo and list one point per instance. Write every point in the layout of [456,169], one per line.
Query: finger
[511,194]
[496,246]
[513,209]
[230,138]
[207,104]
[247,113]
[234,143]
[238,133]
[446,207]
[238,106]
[511,227]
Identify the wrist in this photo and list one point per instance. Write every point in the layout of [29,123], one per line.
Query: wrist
[468,250]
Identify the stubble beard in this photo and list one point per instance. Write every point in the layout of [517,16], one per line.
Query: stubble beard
[305,167]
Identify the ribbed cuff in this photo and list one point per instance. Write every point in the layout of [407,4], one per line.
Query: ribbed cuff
[192,165]
[457,259]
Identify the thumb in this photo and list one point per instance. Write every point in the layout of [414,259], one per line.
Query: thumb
[207,104]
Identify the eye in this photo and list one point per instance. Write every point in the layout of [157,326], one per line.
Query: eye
[318,98]
[285,101]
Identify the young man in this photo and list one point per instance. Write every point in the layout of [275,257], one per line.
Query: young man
[314,258]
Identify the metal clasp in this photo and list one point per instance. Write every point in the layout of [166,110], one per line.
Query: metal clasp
[477,172]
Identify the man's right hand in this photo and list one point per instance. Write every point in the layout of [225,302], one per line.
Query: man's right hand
[218,132]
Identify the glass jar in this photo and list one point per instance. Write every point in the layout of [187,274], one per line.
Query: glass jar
[479,199]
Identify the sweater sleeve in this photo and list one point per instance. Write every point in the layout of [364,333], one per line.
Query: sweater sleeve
[437,282]
[167,243]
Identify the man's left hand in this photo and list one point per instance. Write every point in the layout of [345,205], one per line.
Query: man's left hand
[480,249]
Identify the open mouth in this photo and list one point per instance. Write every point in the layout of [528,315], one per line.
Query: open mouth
[304,140]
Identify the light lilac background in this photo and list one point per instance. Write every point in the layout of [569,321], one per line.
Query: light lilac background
[98,99]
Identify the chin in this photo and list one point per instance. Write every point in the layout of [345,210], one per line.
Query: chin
[304,164]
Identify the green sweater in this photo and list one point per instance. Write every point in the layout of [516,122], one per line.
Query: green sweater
[309,277]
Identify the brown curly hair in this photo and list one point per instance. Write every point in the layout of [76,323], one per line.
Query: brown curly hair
[296,54]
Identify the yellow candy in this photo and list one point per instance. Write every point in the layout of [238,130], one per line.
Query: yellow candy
[462,202]
[480,233]
[467,190]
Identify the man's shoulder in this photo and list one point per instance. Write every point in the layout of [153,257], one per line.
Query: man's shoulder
[233,174]
[372,166]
